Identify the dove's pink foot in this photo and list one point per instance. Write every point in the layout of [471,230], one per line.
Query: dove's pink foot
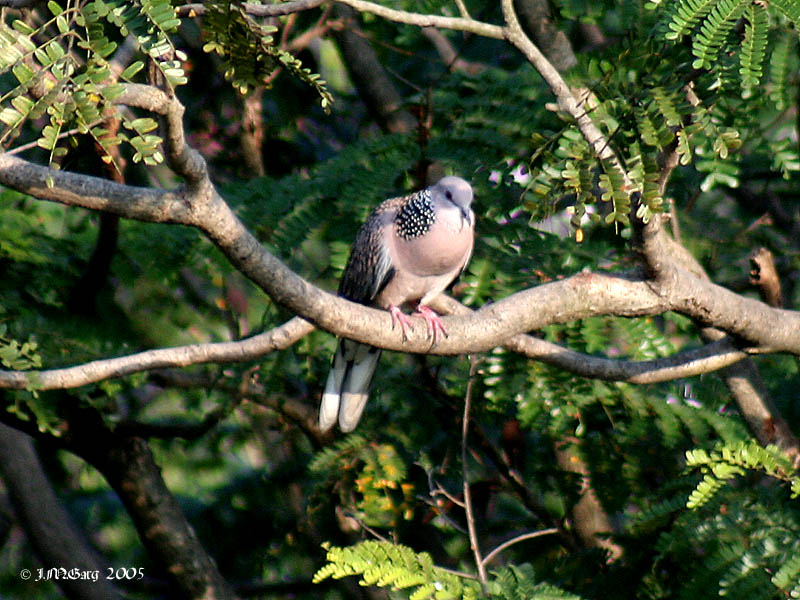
[398,316]
[433,322]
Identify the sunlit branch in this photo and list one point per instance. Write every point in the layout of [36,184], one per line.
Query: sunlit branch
[181,356]
[422,20]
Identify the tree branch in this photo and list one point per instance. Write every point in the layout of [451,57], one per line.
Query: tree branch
[257,10]
[142,204]
[49,527]
[668,265]
[131,470]
[688,363]
[766,328]
[181,356]
[675,288]
[685,364]
[421,20]
[516,540]
[470,515]
[566,99]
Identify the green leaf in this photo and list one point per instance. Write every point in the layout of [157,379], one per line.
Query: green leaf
[22,27]
[61,24]
[55,8]
[132,70]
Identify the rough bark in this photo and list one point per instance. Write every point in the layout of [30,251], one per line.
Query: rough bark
[537,21]
[252,134]
[49,527]
[130,469]
[368,75]
[588,515]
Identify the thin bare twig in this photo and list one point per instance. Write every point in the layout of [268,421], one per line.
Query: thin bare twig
[462,9]
[473,536]
[441,491]
[35,143]
[520,538]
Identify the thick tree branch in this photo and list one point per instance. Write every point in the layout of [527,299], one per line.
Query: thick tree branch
[49,528]
[689,363]
[669,266]
[548,300]
[142,204]
[675,275]
[369,76]
[130,469]
[580,296]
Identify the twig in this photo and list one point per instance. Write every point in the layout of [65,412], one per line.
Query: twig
[35,143]
[462,9]
[520,538]
[441,491]
[256,10]
[410,18]
[473,536]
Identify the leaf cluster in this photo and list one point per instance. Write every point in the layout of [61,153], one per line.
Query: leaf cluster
[729,461]
[61,70]
[377,485]
[250,53]
[714,29]
[398,567]
[742,543]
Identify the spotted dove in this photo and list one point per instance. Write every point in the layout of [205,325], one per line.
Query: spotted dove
[407,252]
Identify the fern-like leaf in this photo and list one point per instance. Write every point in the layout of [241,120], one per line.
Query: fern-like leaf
[754,46]
[790,9]
[729,461]
[779,69]
[397,567]
[686,15]
[715,28]
[518,582]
